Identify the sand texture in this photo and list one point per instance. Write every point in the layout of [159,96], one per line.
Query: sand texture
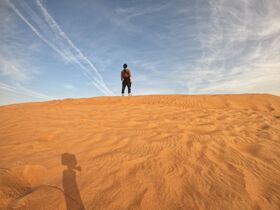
[142,152]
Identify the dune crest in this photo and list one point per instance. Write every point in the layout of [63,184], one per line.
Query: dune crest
[142,152]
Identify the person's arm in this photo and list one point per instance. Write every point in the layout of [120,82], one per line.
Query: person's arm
[121,76]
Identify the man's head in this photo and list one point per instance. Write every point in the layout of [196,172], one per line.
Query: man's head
[125,66]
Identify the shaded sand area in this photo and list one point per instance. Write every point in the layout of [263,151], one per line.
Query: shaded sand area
[142,152]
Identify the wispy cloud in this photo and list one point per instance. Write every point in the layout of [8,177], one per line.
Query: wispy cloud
[15,69]
[240,44]
[47,29]
[19,89]
[128,13]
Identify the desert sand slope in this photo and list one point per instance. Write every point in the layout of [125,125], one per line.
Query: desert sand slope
[142,152]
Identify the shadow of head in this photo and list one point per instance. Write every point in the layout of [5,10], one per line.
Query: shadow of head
[70,161]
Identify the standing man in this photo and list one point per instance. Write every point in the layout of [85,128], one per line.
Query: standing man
[126,79]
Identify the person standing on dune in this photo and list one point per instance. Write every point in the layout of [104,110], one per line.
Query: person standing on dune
[126,79]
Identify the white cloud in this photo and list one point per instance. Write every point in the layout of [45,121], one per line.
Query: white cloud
[241,48]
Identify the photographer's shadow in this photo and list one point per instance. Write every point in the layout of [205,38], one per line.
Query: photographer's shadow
[71,191]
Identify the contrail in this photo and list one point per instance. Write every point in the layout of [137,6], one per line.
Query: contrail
[80,56]
[24,91]
[35,30]
[62,44]
[57,30]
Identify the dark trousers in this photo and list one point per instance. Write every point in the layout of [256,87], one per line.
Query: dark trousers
[126,82]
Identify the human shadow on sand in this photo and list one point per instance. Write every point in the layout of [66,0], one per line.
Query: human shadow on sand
[71,190]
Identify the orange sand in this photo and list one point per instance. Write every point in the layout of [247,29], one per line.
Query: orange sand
[142,152]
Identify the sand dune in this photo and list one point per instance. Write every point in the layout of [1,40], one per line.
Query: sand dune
[142,152]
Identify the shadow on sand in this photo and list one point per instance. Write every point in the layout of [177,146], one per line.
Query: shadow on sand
[71,191]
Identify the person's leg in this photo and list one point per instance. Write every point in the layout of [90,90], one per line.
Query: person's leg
[123,87]
[129,87]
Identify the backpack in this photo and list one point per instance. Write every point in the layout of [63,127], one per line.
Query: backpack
[126,73]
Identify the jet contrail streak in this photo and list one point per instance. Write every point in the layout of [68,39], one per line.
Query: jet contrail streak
[64,46]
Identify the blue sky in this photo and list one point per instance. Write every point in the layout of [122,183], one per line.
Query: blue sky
[52,49]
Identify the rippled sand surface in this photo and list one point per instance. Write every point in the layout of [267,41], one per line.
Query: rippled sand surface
[142,152]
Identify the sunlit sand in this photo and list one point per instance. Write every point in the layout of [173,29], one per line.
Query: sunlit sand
[142,152]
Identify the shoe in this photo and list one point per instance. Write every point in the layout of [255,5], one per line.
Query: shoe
[130,94]
[122,94]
